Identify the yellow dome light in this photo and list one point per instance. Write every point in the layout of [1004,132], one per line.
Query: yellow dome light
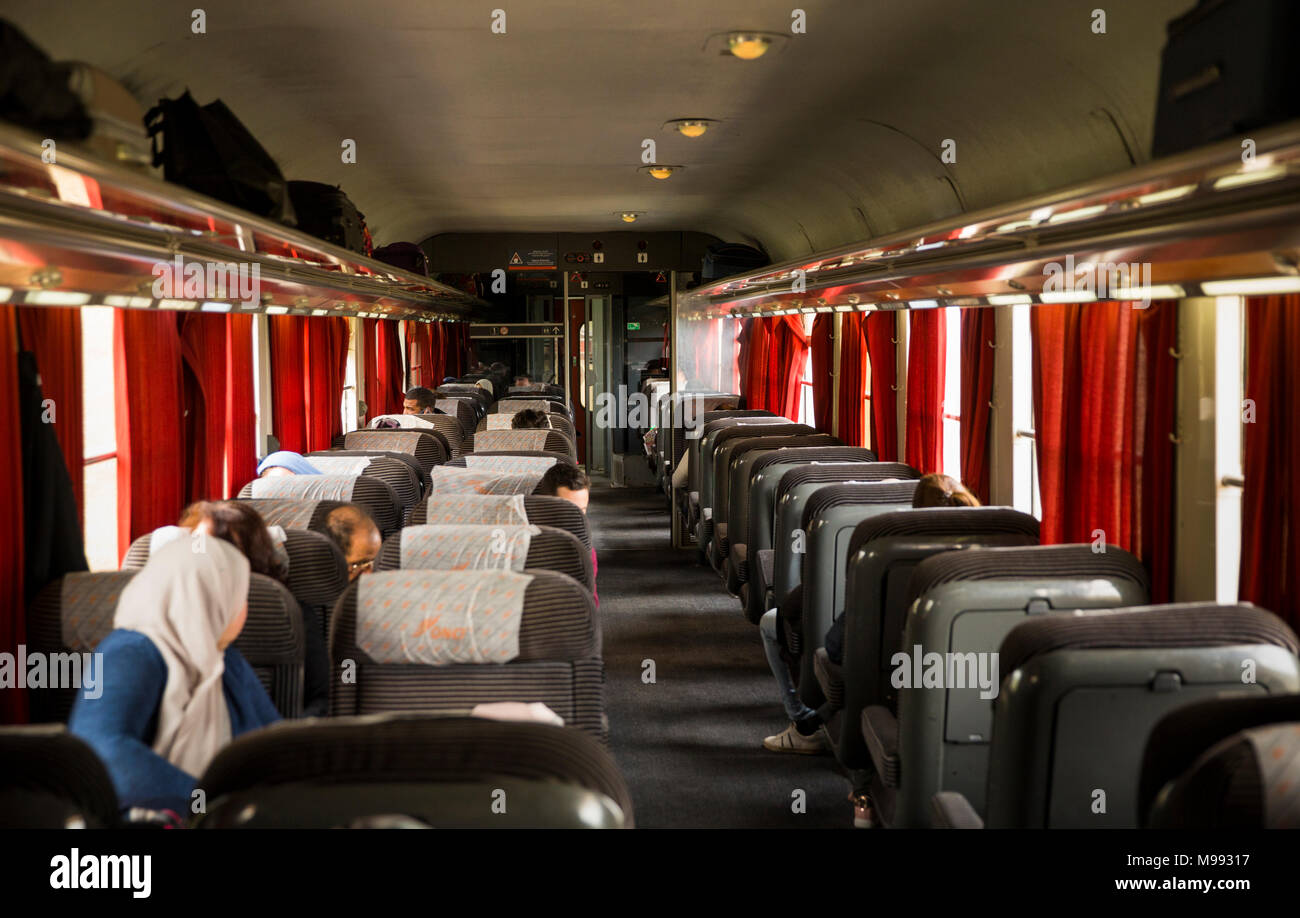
[629,217]
[660,172]
[748,47]
[691,128]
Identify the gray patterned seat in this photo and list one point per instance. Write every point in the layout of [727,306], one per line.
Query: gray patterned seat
[50,779]
[485,547]
[538,509]
[376,497]
[429,447]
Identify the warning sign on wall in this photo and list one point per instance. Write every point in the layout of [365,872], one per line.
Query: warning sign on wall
[532,260]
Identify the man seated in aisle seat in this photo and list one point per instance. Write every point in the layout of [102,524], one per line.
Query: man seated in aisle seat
[419,400]
[523,382]
[806,733]
[572,484]
[177,691]
[530,419]
[357,536]
[285,462]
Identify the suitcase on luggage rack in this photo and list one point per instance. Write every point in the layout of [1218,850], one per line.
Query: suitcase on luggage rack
[725,259]
[1227,68]
[327,213]
[405,255]
[118,134]
[34,90]
[207,149]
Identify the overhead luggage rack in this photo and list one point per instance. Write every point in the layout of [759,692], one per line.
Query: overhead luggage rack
[78,231]
[1221,220]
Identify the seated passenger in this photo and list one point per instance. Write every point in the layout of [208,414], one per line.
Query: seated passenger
[523,382]
[419,400]
[285,462]
[238,523]
[357,536]
[177,691]
[530,419]
[572,484]
[805,733]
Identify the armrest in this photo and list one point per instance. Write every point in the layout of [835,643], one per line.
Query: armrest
[830,677]
[951,810]
[766,565]
[880,730]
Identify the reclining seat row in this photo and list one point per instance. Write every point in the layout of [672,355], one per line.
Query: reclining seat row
[511,461]
[375,496]
[694,438]
[445,426]
[1225,763]
[410,479]
[678,415]
[503,510]
[754,527]
[554,441]
[1084,691]
[427,446]
[444,641]
[700,481]
[969,600]
[503,420]
[739,455]
[74,613]
[461,546]
[883,553]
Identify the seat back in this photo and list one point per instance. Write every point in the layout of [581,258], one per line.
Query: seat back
[502,421]
[417,472]
[713,421]
[830,516]
[1207,765]
[296,514]
[449,428]
[1081,693]
[429,447]
[789,539]
[464,410]
[880,586]
[73,614]
[535,509]
[558,650]
[526,440]
[681,413]
[376,497]
[487,547]
[966,602]
[441,772]
[50,779]
[406,481]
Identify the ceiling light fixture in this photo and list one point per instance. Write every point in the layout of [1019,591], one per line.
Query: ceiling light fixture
[628,216]
[748,46]
[1009,299]
[1251,286]
[659,171]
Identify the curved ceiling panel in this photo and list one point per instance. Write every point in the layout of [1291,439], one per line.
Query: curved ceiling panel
[832,137]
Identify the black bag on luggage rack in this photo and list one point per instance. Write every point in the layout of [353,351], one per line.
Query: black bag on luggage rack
[34,91]
[327,213]
[405,255]
[1228,67]
[207,149]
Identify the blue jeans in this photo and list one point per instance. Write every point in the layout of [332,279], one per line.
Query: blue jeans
[795,709]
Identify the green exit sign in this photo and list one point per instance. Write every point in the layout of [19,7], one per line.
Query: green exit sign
[634,326]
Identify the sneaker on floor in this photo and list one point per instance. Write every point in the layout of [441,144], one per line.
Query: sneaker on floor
[791,740]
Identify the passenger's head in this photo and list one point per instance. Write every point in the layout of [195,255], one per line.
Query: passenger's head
[566,481]
[193,601]
[498,367]
[239,524]
[419,400]
[285,462]
[523,381]
[935,490]
[356,535]
[530,419]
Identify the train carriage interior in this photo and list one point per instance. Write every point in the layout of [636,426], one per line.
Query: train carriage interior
[687,415]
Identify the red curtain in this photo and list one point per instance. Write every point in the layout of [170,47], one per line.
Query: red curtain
[241,445]
[54,336]
[1103,413]
[822,367]
[882,351]
[754,346]
[13,630]
[151,456]
[327,361]
[786,356]
[308,368]
[977,356]
[1270,502]
[853,379]
[384,393]
[926,353]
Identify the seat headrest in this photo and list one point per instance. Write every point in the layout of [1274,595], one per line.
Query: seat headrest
[944,521]
[1192,624]
[47,760]
[852,493]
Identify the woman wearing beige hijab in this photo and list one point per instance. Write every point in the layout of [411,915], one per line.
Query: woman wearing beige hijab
[175,690]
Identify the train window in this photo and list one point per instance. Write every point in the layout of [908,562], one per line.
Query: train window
[349,409]
[98,392]
[952,394]
[807,412]
[1024,458]
[1229,382]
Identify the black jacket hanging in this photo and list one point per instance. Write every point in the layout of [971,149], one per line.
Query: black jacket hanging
[52,541]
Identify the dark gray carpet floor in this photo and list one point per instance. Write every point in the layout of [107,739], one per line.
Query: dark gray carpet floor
[690,745]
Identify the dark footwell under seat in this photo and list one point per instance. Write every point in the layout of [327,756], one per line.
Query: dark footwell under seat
[690,744]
